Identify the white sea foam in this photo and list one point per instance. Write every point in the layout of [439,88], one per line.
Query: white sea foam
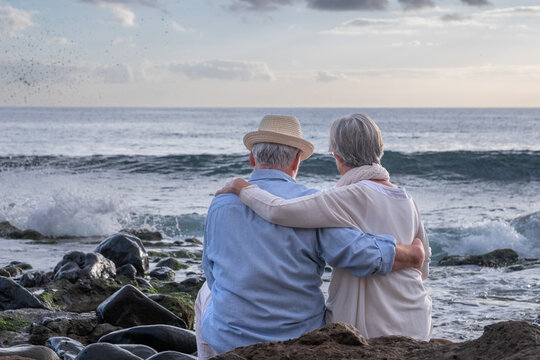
[57,205]
[488,236]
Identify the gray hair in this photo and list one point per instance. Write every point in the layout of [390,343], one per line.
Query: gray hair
[357,140]
[274,156]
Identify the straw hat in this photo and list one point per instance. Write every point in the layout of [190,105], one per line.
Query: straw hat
[280,129]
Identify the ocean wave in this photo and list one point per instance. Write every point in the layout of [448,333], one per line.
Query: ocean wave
[521,234]
[450,165]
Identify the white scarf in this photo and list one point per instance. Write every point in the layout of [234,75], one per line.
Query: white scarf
[367,172]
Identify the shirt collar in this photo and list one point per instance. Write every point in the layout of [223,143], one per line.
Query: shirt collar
[265,174]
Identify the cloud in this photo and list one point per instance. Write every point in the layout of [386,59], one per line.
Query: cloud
[476,2]
[149,3]
[455,17]
[127,41]
[402,25]
[13,21]
[224,70]
[113,74]
[344,5]
[259,5]
[59,41]
[514,11]
[120,8]
[416,4]
[179,28]
[327,76]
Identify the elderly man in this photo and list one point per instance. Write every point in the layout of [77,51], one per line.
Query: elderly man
[265,279]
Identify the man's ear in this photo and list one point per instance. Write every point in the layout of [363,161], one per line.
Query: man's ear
[251,159]
[296,162]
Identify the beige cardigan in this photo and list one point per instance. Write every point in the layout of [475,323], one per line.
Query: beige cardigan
[396,304]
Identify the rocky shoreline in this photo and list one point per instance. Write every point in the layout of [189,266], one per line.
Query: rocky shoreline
[109,304]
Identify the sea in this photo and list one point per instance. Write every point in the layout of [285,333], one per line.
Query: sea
[81,174]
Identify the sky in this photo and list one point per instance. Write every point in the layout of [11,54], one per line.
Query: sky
[270,53]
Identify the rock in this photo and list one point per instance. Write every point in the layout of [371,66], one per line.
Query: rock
[82,296]
[172,355]
[29,351]
[184,254]
[171,263]
[105,351]
[4,273]
[35,278]
[66,348]
[142,351]
[180,304]
[158,337]
[129,307]
[127,270]
[6,228]
[144,234]
[496,258]
[143,283]
[13,270]
[192,283]
[14,296]
[193,241]
[124,249]
[26,235]
[78,265]
[22,265]
[162,273]
[507,340]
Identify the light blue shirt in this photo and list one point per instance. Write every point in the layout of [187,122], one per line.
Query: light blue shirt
[265,278]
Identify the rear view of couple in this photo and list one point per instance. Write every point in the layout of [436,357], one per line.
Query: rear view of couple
[265,250]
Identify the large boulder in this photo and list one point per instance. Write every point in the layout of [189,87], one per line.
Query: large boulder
[6,229]
[66,348]
[77,265]
[104,351]
[511,340]
[130,307]
[127,270]
[496,258]
[142,351]
[171,263]
[158,337]
[14,296]
[29,352]
[123,248]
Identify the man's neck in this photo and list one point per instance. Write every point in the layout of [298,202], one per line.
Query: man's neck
[289,172]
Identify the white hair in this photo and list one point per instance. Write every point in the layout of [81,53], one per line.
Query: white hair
[357,140]
[274,156]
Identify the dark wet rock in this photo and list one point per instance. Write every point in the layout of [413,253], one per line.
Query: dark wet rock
[14,296]
[180,304]
[78,265]
[127,270]
[22,265]
[144,234]
[81,296]
[84,328]
[66,348]
[105,351]
[35,278]
[194,241]
[143,283]
[6,228]
[4,273]
[142,351]
[172,355]
[26,235]
[506,340]
[13,270]
[162,273]
[192,283]
[171,263]
[130,307]
[29,352]
[496,258]
[184,254]
[158,337]
[124,249]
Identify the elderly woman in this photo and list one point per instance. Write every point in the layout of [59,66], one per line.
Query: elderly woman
[396,304]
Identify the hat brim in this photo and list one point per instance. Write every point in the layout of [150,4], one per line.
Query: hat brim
[262,136]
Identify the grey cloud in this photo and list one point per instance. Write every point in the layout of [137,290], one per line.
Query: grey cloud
[343,5]
[325,76]
[454,17]
[259,5]
[416,4]
[224,70]
[476,2]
